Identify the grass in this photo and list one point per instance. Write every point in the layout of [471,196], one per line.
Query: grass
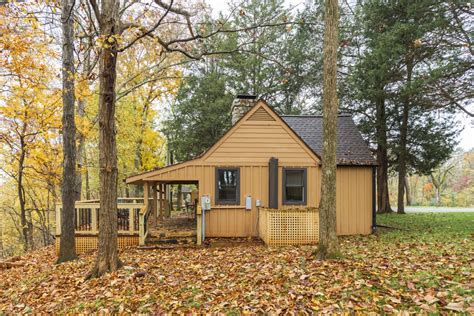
[427,226]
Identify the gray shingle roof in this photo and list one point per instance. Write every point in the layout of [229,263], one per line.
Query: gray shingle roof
[351,147]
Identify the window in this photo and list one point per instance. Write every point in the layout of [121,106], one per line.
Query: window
[294,186]
[227,186]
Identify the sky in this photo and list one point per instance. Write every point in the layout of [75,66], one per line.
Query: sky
[466,137]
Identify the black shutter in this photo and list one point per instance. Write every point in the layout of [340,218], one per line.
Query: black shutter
[273,183]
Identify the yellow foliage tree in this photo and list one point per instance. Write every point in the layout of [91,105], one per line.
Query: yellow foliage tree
[29,123]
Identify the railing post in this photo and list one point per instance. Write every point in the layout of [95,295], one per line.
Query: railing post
[131,215]
[58,220]
[141,229]
[94,219]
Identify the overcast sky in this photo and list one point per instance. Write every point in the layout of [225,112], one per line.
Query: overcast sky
[467,135]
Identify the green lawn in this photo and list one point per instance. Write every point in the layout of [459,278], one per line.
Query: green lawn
[427,267]
[427,226]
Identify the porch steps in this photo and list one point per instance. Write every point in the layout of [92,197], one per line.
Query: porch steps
[166,239]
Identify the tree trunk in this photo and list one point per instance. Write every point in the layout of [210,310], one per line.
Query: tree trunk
[67,245]
[383,200]
[328,243]
[107,256]
[1,240]
[437,196]
[414,189]
[402,155]
[407,191]
[138,148]
[81,139]
[21,196]
[86,176]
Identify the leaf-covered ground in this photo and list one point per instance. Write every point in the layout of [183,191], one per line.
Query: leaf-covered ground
[426,267]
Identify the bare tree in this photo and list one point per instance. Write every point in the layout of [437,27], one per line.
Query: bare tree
[67,245]
[108,19]
[328,243]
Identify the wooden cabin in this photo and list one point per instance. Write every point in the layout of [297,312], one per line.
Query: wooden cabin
[261,179]
[268,161]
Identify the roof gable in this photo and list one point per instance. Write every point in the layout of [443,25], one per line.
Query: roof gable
[260,134]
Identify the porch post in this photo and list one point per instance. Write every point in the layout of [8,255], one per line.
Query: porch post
[154,205]
[142,224]
[167,201]
[161,201]
[146,195]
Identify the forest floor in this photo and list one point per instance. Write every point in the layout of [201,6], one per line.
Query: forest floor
[424,266]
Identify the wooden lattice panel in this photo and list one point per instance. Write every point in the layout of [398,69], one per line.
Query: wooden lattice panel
[89,243]
[289,227]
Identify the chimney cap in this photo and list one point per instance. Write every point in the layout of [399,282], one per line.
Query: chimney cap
[246,96]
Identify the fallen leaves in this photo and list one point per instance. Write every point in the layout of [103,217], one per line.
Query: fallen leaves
[376,275]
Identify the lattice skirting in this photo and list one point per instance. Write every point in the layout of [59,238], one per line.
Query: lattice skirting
[289,226]
[89,243]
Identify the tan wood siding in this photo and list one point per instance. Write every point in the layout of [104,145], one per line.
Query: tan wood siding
[258,143]
[354,200]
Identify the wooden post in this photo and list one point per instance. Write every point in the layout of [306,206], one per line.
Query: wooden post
[141,233]
[161,201]
[199,226]
[146,192]
[154,205]
[131,217]
[167,201]
[94,211]
[58,220]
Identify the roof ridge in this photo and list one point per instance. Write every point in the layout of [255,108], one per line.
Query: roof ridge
[343,114]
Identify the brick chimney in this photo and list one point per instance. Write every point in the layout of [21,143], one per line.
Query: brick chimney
[241,104]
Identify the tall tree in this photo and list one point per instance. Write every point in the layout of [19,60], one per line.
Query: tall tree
[107,257]
[67,245]
[201,111]
[120,30]
[408,81]
[328,242]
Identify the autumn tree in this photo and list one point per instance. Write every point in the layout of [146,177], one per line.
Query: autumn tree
[328,243]
[29,119]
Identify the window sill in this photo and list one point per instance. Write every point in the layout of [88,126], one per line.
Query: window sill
[229,206]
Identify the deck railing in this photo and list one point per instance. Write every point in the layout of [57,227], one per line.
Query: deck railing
[86,218]
[144,214]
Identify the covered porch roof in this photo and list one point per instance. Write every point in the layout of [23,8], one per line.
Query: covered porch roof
[172,174]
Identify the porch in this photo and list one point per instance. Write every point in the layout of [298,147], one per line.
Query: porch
[152,220]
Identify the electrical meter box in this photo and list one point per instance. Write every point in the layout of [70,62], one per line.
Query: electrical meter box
[248,203]
[205,203]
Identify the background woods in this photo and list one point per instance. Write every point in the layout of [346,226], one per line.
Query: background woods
[404,71]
